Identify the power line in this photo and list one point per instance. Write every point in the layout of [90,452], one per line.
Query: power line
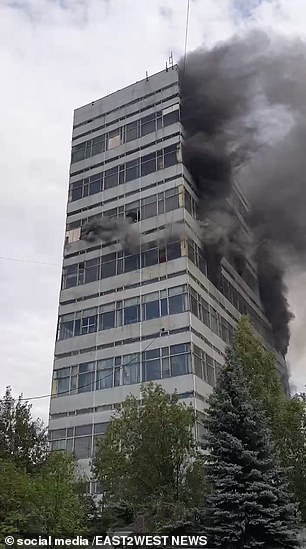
[92,382]
[4,258]
[186,34]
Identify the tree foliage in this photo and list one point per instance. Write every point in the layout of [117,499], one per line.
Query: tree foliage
[59,496]
[148,458]
[50,502]
[286,417]
[22,439]
[17,499]
[249,504]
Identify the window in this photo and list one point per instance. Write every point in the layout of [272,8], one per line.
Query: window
[66,328]
[166,367]
[104,374]
[170,115]
[89,325]
[170,156]
[98,145]
[100,428]
[150,257]
[108,269]
[58,445]
[73,235]
[204,312]
[78,153]
[188,202]
[176,304]
[82,447]
[113,139]
[86,377]
[131,311]
[151,310]
[148,207]
[180,364]
[151,370]
[173,250]
[131,131]
[130,369]
[131,263]
[57,433]
[210,370]
[92,270]
[83,430]
[107,320]
[162,255]
[70,276]
[198,365]
[148,124]
[63,385]
[132,170]
[111,178]
[76,191]
[214,325]
[95,185]
[148,164]
[171,200]
[179,348]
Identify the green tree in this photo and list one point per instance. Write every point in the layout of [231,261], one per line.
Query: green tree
[49,502]
[22,439]
[249,504]
[17,500]
[286,417]
[60,504]
[148,458]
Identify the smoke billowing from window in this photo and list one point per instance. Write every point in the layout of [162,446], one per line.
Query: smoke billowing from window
[110,229]
[244,114]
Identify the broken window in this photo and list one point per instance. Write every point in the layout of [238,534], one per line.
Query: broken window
[73,235]
[114,139]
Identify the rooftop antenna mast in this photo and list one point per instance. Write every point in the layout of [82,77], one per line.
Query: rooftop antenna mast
[171,60]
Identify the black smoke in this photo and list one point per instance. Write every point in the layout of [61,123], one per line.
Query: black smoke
[108,230]
[243,112]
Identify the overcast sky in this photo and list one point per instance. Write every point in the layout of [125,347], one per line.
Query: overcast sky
[56,55]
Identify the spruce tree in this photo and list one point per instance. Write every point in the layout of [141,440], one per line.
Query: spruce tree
[249,504]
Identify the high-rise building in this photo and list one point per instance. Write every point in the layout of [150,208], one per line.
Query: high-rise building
[132,311]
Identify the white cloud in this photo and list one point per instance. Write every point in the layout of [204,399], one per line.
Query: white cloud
[56,55]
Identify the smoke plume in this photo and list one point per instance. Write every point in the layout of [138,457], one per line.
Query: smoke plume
[109,229]
[243,111]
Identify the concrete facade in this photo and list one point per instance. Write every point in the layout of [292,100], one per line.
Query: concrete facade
[124,317]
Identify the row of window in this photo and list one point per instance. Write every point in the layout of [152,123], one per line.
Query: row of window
[123,173]
[117,263]
[138,100]
[204,366]
[80,441]
[126,195]
[153,305]
[121,313]
[84,447]
[128,132]
[129,369]
[138,210]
